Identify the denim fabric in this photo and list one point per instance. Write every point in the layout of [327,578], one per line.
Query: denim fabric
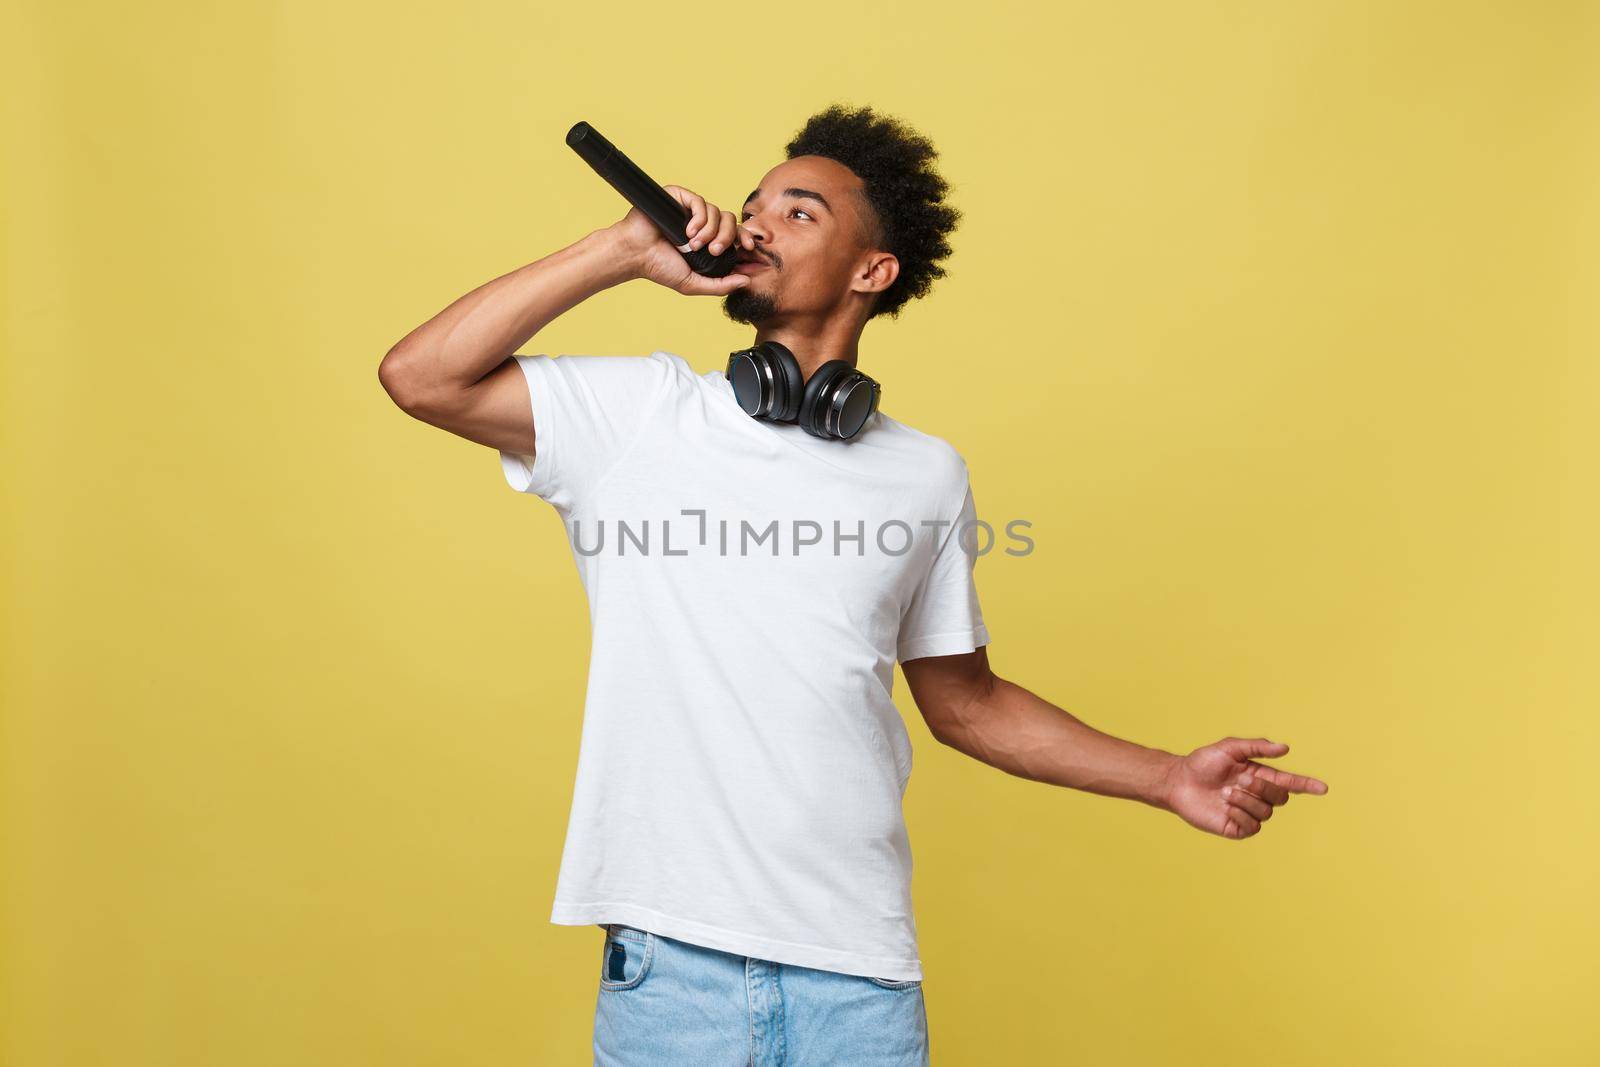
[664,1002]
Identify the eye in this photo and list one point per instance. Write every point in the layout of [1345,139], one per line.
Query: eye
[744,216]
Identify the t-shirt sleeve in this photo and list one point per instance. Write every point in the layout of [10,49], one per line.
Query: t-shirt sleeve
[586,411]
[943,617]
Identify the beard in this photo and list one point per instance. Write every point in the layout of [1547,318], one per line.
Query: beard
[742,305]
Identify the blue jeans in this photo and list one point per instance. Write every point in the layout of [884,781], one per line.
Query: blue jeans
[664,1002]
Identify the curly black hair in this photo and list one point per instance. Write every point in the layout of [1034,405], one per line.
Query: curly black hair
[895,165]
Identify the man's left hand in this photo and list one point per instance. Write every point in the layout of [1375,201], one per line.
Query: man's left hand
[1220,789]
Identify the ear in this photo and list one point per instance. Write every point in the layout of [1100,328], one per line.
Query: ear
[877,272]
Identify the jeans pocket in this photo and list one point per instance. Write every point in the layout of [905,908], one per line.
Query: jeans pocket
[625,956]
[890,983]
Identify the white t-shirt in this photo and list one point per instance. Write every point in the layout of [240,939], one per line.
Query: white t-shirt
[742,765]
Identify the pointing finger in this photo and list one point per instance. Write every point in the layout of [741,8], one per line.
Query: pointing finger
[1294,783]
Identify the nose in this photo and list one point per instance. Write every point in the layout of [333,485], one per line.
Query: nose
[755,229]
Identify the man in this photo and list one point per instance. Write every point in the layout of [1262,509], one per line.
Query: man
[736,825]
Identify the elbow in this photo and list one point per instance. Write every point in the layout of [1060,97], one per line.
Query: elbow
[402,376]
[953,719]
[953,732]
[943,734]
[397,378]
[942,724]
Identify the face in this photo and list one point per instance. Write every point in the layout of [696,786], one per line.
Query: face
[816,246]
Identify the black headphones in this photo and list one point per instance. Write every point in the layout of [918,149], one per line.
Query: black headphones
[834,403]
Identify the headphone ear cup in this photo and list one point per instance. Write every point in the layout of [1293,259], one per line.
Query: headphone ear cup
[766,381]
[790,382]
[818,393]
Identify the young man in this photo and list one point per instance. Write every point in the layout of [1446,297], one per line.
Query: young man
[736,825]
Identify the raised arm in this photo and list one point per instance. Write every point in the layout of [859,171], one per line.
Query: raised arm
[1218,788]
[455,371]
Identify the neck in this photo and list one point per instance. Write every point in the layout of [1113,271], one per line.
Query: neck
[812,347]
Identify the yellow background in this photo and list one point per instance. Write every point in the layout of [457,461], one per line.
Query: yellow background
[1277,320]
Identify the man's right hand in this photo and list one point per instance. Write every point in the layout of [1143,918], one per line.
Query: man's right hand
[652,256]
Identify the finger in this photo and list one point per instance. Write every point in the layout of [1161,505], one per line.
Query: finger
[1258,808]
[725,234]
[1294,783]
[746,240]
[697,221]
[700,285]
[708,228]
[1251,781]
[697,213]
[1243,748]
[1241,822]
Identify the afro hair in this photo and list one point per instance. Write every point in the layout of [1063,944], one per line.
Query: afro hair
[895,165]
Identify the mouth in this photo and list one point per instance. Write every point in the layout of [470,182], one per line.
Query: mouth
[749,261]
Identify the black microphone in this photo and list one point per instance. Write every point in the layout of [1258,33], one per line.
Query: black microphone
[640,190]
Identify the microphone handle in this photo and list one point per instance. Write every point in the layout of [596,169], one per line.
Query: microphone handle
[642,191]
